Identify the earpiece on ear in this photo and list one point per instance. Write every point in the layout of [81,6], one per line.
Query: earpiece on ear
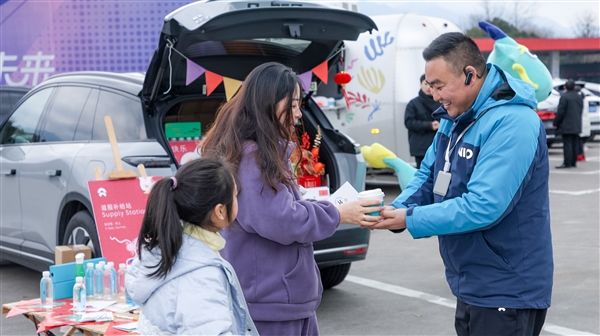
[469,78]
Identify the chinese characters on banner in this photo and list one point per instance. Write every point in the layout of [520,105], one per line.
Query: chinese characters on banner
[119,207]
[29,71]
[185,151]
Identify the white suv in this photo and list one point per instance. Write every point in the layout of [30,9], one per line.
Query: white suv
[590,116]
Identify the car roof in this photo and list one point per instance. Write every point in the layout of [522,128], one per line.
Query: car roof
[129,82]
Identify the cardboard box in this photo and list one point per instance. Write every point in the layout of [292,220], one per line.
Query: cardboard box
[65,254]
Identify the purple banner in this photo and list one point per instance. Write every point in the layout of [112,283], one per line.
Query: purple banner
[39,39]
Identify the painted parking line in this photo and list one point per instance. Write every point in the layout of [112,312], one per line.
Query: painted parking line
[587,159]
[574,171]
[574,193]
[438,300]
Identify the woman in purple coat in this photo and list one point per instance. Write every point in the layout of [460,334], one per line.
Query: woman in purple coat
[270,243]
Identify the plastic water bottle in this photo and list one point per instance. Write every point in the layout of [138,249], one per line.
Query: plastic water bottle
[89,281]
[114,276]
[98,282]
[108,286]
[121,281]
[79,294]
[79,270]
[46,290]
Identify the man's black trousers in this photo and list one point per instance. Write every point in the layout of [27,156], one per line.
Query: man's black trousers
[570,149]
[471,320]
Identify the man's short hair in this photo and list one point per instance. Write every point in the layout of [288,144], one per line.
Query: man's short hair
[458,50]
[422,78]
[570,85]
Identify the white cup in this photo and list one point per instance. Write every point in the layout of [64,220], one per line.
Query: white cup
[373,194]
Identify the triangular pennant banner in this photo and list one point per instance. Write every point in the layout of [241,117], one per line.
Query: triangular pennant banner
[192,72]
[212,81]
[306,78]
[321,71]
[231,86]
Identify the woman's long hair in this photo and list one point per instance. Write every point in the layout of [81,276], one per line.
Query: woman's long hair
[200,186]
[251,115]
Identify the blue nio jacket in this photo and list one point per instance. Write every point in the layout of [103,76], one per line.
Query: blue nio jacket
[493,224]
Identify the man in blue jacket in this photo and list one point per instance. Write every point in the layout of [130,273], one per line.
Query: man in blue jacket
[483,190]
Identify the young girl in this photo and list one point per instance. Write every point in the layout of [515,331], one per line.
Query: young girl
[271,241]
[179,279]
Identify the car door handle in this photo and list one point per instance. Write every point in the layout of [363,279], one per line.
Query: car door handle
[56,172]
[9,172]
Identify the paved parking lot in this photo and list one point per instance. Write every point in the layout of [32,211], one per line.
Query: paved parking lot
[400,289]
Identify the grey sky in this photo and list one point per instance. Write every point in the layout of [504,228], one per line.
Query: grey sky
[555,16]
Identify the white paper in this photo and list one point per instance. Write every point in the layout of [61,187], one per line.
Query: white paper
[121,308]
[130,327]
[94,306]
[317,193]
[97,317]
[346,193]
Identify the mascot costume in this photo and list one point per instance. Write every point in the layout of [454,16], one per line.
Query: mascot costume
[516,60]
[378,156]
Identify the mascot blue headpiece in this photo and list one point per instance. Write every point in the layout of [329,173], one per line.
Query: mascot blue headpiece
[516,60]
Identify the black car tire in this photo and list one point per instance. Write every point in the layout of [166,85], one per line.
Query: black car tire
[83,228]
[334,275]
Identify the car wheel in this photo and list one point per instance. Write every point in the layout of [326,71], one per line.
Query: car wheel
[82,230]
[334,275]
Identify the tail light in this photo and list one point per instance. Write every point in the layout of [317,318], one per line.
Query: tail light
[356,251]
[546,115]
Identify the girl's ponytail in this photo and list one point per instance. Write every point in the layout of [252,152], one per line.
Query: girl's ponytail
[190,196]
[161,226]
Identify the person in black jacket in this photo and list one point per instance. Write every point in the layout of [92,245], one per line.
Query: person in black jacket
[568,124]
[421,125]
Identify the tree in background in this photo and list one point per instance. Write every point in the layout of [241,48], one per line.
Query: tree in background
[513,18]
[520,15]
[506,27]
[586,25]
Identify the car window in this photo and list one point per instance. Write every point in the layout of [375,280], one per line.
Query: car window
[86,121]
[20,127]
[62,118]
[5,105]
[126,114]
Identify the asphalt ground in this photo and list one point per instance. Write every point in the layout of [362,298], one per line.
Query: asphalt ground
[401,290]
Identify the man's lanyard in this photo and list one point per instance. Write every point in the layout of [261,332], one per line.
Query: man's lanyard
[449,149]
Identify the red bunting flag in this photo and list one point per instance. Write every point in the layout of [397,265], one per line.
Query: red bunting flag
[321,71]
[212,81]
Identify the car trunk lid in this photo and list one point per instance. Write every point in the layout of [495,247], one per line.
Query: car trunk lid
[217,34]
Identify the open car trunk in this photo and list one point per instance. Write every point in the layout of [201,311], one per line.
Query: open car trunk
[231,38]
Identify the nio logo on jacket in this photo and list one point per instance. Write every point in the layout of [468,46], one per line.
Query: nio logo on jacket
[465,153]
